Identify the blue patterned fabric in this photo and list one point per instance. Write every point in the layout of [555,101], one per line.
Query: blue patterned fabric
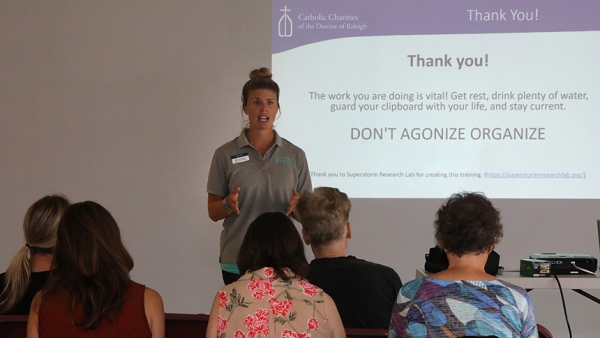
[440,308]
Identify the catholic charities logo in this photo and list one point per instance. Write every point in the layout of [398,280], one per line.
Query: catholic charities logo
[285,24]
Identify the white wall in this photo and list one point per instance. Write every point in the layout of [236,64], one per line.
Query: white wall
[124,102]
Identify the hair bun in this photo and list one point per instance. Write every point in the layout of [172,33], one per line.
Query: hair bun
[263,72]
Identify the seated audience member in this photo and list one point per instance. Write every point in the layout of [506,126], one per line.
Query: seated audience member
[464,300]
[28,271]
[89,293]
[272,298]
[364,292]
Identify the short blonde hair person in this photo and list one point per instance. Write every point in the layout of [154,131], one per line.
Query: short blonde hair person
[324,214]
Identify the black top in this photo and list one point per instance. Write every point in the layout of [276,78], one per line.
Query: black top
[37,281]
[364,292]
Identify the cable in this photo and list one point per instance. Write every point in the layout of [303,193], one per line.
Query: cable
[581,269]
[564,305]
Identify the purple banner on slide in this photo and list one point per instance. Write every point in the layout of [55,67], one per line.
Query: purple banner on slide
[297,23]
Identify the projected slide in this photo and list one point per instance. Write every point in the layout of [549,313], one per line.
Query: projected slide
[421,99]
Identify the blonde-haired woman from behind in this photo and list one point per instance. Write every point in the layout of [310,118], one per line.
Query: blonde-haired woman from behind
[29,269]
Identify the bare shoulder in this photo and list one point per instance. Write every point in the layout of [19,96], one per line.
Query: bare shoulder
[152,298]
[34,308]
[37,299]
[32,321]
[155,312]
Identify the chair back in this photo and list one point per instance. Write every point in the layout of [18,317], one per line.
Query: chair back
[365,333]
[543,332]
[176,325]
[13,326]
[181,325]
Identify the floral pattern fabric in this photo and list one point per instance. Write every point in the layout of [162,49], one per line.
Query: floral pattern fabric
[431,307]
[261,305]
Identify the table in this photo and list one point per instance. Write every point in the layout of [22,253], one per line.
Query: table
[571,282]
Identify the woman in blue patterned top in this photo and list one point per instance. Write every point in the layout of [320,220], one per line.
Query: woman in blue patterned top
[464,300]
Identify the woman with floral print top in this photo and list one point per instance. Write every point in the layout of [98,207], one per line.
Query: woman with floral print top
[272,299]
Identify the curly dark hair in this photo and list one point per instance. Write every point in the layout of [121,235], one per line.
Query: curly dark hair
[467,223]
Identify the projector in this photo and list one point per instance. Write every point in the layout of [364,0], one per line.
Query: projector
[567,264]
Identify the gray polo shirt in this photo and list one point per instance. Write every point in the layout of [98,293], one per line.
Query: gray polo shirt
[266,184]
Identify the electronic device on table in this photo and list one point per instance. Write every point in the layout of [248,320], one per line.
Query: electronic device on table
[568,264]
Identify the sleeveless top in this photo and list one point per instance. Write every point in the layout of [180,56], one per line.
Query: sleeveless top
[260,305]
[54,319]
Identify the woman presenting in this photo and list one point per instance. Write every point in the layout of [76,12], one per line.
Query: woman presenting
[256,172]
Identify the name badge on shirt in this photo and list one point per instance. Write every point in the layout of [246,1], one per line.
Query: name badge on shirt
[239,158]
